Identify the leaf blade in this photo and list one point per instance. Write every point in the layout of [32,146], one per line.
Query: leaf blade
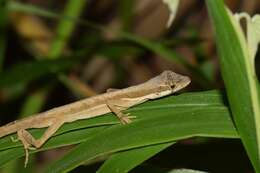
[124,161]
[169,125]
[240,81]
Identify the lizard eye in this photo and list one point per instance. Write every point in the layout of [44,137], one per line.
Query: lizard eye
[172,87]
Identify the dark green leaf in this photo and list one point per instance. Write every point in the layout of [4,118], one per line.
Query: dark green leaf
[124,161]
[25,72]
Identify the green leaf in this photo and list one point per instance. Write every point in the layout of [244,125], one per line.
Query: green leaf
[25,72]
[65,27]
[239,77]
[34,102]
[124,161]
[172,119]
[29,8]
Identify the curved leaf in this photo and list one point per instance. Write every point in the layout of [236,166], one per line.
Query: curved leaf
[239,77]
[124,161]
[172,119]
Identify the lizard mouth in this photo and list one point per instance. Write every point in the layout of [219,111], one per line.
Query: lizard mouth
[181,85]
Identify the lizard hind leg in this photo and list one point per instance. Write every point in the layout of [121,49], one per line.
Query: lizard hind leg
[26,145]
[30,143]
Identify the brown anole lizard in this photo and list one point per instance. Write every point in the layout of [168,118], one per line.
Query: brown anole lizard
[114,101]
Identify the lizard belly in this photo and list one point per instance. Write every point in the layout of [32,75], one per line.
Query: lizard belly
[88,113]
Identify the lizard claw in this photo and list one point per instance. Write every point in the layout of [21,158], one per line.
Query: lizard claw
[31,148]
[13,139]
[126,119]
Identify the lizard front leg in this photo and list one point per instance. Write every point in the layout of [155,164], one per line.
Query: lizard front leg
[28,140]
[117,110]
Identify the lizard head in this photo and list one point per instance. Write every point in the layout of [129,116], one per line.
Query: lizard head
[167,83]
[174,81]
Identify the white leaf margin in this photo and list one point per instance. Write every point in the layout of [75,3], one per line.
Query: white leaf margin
[173,6]
[252,34]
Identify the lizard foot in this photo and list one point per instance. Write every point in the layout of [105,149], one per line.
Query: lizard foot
[30,143]
[117,110]
[13,139]
[126,118]
[26,139]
